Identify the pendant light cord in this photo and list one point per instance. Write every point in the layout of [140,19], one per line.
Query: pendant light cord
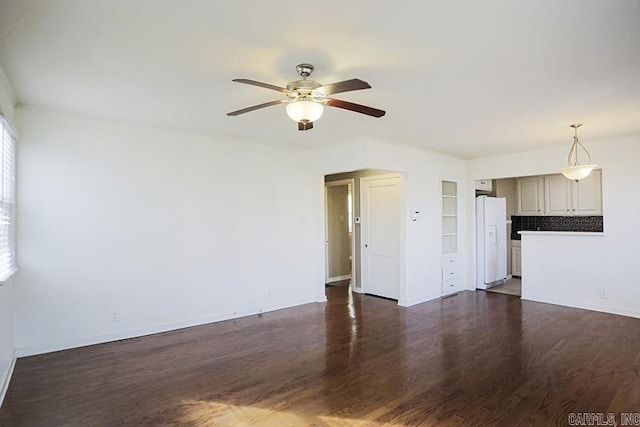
[573,153]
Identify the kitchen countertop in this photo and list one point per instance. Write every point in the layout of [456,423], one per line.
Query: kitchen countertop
[563,233]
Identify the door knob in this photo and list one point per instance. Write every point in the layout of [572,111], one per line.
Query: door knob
[366,246]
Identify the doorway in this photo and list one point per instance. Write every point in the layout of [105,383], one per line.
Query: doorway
[506,188]
[374,218]
[339,237]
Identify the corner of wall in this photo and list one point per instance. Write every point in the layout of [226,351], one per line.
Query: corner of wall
[6,378]
[7,97]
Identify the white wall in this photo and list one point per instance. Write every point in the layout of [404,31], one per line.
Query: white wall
[7,346]
[571,270]
[423,171]
[171,230]
[167,229]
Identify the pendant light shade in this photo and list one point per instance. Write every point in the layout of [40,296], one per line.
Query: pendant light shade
[304,111]
[577,171]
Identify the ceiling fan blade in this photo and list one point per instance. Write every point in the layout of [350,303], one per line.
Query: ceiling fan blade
[344,86]
[363,109]
[260,84]
[256,107]
[305,125]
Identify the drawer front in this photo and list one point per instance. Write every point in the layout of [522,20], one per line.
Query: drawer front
[449,285]
[448,273]
[449,267]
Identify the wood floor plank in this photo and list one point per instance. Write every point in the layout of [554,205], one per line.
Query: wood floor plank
[473,359]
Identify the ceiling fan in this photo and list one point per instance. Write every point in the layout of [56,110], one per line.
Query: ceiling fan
[306,99]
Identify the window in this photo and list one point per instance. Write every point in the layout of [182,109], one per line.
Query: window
[7,201]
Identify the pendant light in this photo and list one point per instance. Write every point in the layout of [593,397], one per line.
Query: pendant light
[577,171]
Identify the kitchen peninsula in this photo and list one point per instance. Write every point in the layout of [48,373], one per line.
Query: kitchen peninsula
[560,268]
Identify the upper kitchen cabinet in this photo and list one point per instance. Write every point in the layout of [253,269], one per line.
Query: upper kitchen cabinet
[484,185]
[557,192]
[564,197]
[530,196]
[587,194]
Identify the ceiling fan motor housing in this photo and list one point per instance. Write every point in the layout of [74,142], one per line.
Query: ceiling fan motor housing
[303,89]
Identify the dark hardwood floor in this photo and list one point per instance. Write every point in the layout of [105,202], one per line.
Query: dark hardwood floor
[473,359]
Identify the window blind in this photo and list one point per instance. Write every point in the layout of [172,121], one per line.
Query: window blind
[7,201]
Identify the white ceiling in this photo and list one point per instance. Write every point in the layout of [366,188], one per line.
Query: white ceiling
[469,78]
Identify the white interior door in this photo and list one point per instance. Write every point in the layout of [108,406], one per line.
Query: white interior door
[381,216]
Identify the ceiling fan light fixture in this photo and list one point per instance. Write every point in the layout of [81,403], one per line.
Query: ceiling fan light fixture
[304,111]
[577,171]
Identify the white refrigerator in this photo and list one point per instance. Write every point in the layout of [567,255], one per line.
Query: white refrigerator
[491,241]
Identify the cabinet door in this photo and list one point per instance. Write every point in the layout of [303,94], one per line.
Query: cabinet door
[587,195]
[484,184]
[516,261]
[557,195]
[530,195]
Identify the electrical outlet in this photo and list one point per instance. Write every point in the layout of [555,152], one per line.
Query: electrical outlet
[603,294]
[115,316]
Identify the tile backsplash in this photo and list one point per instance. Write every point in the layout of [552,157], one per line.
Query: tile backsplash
[555,223]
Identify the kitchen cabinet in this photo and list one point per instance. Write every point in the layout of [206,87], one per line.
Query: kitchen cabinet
[557,192]
[516,258]
[587,194]
[484,185]
[530,196]
[564,197]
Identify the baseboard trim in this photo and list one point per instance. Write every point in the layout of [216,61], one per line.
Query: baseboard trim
[582,305]
[34,350]
[407,303]
[6,377]
[338,278]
